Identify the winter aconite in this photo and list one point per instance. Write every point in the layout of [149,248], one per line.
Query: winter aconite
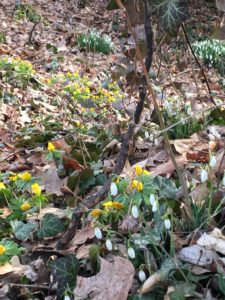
[35,188]
[2,186]
[2,249]
[51,147]
[26,176]
[25,206]
[137,185]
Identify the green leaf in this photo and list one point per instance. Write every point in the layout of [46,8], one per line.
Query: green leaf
[167,188]
[64,271]
[51,225]
[21,230]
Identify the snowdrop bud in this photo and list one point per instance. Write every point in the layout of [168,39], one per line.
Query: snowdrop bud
[141,275]
[155,206]
[212,162]
[134,211]
[113,189]
[66,297]
[152,199]
[204,175]
[167,224]
[109,245]
[131,252]
[98,233]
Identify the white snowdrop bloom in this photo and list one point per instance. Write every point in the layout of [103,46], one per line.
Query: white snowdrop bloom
[152,199]
[131,252]
[134,211]
[141,275]
[66,297]
[113,189]
[109,245]
[212,162]
[98,233]
[167,224]
[155,206]
[204,175]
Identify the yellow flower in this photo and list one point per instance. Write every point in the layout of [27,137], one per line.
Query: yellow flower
[137,185]
[92,109]
[77,123]
[117,180]
[108,205]
[118,205]
[51,147]
[145,172]
[25,206]
[96,213]
[26,176]
[35,188]
[2,249]
[13,177]
[138,170]
[2,186]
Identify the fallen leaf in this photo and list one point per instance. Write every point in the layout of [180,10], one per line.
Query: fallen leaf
[112,282]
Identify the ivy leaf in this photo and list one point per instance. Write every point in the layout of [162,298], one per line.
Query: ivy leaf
[21,230]
[167,188]
[51,225]
[64,271]
[171,13]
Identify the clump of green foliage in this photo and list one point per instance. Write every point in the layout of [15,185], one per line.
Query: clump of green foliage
[2,38]
[27,11]
[174,113]
[212,52]
[17,71]
[79,88]
[94,42]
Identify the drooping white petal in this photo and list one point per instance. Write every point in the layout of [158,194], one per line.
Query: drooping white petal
[152,199]
[155,206]
[141,275]
[98,233]
[204,175]
[134,211]
[109,245]
[131,252]
[113,189]
[167,224]
[212,162]
[223,180]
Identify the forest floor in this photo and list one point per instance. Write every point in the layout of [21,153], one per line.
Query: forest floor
[64,110]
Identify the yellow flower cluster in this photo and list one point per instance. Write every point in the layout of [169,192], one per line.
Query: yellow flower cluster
[2,249]
[95,213]
[140,171]
[137,185]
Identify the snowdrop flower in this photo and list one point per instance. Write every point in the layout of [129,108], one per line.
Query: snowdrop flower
[204,175]
[155,206]
[141,275]
[152,199]
[98,233]
[212,162]
[113,189]
[66,297]
[223,180]
[134,211]
[131,252]
[109,245]
[167,224]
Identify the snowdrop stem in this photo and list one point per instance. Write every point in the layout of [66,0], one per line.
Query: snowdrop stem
[210,199]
